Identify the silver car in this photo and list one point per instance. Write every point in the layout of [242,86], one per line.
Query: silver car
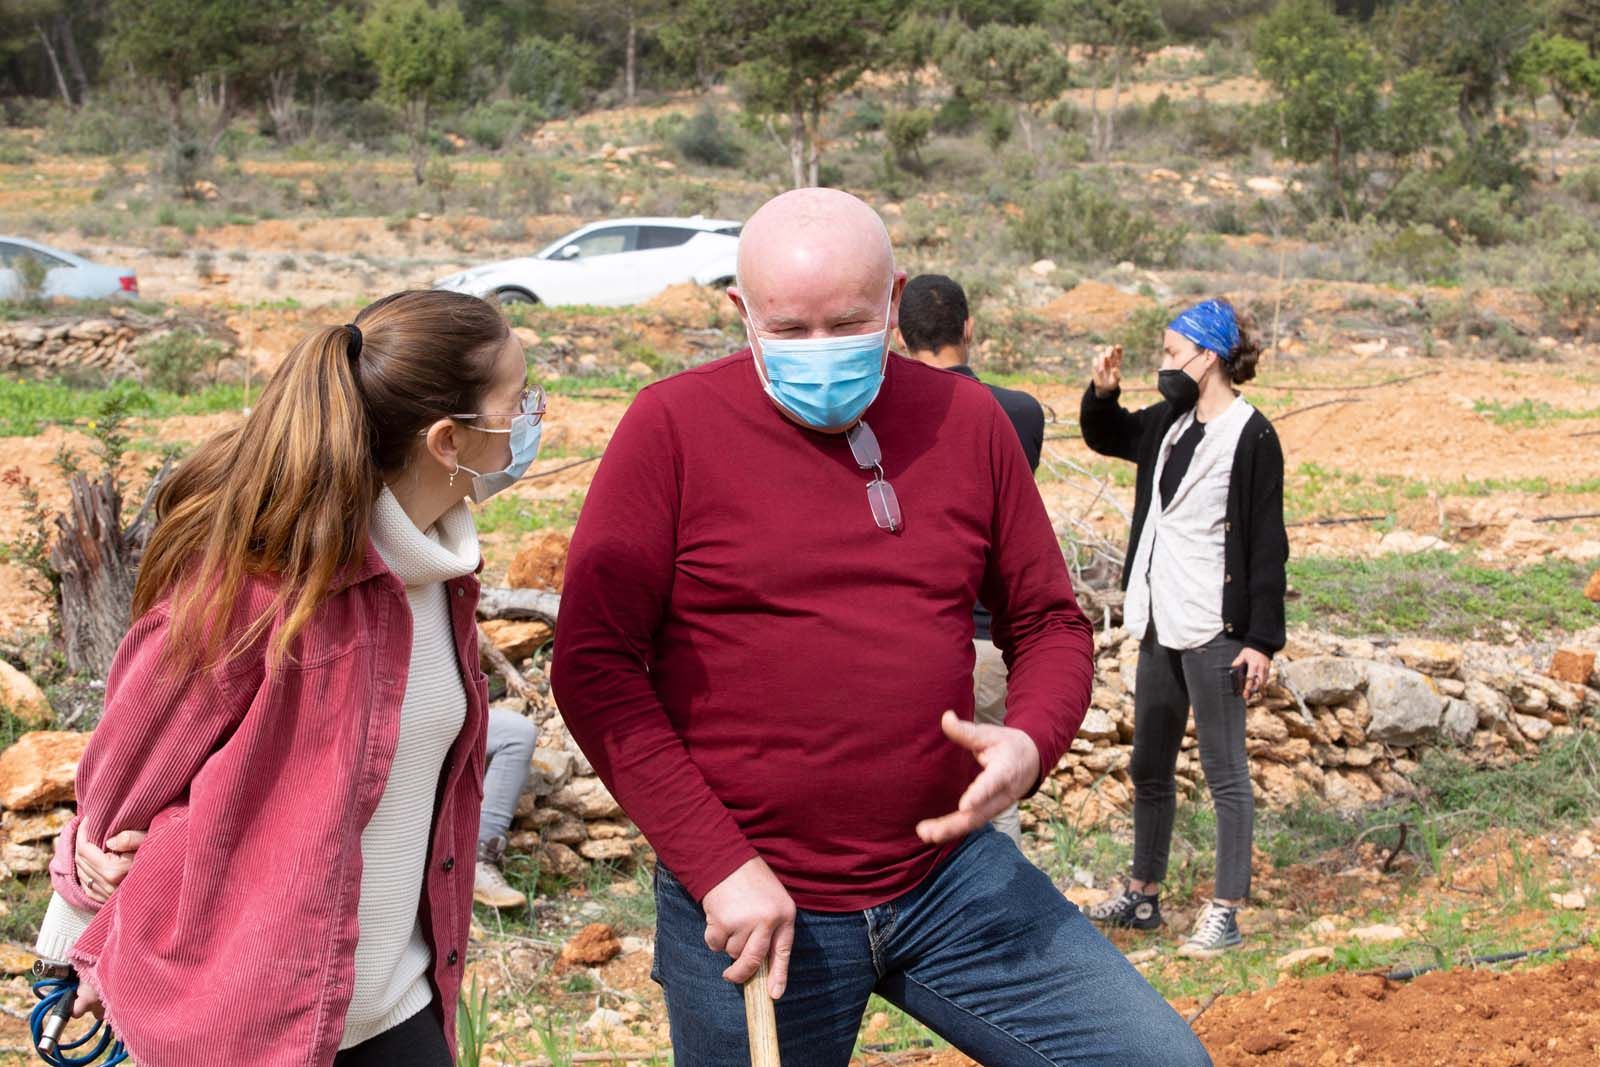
[65,275]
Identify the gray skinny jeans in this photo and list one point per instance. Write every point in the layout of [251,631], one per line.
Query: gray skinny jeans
[1169,682]
[509,747]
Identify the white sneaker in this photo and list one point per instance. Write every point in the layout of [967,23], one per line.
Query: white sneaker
[489,886]
[1215,932]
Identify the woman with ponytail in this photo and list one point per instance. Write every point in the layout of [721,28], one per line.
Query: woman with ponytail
[1205,588]
[296,715]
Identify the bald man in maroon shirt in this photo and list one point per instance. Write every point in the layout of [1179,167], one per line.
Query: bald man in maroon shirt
[765,650]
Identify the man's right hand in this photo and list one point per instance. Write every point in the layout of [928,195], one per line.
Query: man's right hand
[1108,371]
[750,917]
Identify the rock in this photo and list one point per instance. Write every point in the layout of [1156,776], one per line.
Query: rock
[542,561]
[595,944]
[1350,790]
[1323,679]
[1260,1044]
[1280,786]
[1098,726]
[1573,901]
[1592,590]
[1582,848]
[1406,543]
[24,699]
[1532,727]
[1490,704]
[1571,665]
[1430,657]
[1405,709]
[15,959]
[1450,687]
[612,849]
[39,770]
[1381,934]
[640,369]
[559,860]
[1300,957]
[567,829]
[25,859]
[23,829]
[1459,721]
[1043,267]
[586,798]
[1265,725]
[549,770]
[518,640]
[1264,187]
[604,1019]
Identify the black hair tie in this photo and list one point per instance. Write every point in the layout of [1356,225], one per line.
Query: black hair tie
[355,340]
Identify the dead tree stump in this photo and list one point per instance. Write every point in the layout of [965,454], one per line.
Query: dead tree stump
[98,561]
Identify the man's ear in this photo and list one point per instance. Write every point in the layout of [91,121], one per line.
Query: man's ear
[966,333]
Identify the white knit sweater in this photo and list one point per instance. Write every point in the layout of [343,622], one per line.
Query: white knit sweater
[392,957]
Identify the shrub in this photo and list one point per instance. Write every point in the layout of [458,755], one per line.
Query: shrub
[495,124]
[956,116]
[1584,184]
[907,132]
[704,139]
[1419,253]
[175,362]
[557,76]
[1072,216]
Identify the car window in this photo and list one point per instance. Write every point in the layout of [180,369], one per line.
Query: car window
[606,242]
[663,237]
[730,231]
[11,255]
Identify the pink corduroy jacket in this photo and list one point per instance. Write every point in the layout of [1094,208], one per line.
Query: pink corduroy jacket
[233,938]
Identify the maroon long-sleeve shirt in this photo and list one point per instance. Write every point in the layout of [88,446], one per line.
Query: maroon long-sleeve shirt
[754,667]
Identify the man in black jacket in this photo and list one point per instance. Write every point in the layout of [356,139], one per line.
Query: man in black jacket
[936,328]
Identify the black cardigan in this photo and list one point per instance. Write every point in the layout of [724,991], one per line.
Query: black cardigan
[1256,546]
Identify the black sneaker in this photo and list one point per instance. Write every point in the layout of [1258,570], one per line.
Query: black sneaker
[1138,911]
[1215,932]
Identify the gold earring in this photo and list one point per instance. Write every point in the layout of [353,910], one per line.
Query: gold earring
[453,476]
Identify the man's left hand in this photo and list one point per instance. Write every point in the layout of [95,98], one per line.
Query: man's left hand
[1010,768]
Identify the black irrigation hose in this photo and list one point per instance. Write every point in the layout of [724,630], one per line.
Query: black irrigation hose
[1408,973]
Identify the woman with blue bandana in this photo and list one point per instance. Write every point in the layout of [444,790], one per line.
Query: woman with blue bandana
[1205,589]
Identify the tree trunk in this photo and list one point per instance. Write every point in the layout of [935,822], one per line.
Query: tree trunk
[1027,128]
[69,51]
[1110,130]
[814,135]
[797,147]
[1094,117]
[282,107]
[98,561]
[541,604]
[419,138]
[632,67]
[55,65]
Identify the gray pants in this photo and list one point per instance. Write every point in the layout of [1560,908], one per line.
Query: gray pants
[1169,683]
[510,746]
[989,706]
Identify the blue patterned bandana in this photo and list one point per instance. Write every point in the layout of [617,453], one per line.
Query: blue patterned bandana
[1211,325]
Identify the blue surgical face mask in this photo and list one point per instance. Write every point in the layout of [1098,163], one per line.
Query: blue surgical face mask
[525,435]
[825,382]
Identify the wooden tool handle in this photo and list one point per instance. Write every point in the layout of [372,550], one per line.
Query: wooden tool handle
[761,1021]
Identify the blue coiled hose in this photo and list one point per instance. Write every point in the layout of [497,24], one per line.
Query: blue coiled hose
[56,995]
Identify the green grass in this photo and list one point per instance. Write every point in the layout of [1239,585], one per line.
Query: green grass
[519,515]
[26,407]
[13,310]
[1529,413]
[1439,594]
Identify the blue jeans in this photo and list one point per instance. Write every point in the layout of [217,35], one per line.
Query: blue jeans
[986,952]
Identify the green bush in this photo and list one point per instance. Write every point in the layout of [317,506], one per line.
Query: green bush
[495,124]
[1584,184]
[956,116]
[907,132]
[1074,217]
[1418,253]
[704,139]
[557,76]
[1437,198]
[175,362]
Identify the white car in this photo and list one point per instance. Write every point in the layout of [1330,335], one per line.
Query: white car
[65,275]
[612,263]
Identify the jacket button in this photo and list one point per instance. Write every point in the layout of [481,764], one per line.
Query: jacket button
[452,958]
[1229,627]
[460,591]
[1226,578]
[450,863]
